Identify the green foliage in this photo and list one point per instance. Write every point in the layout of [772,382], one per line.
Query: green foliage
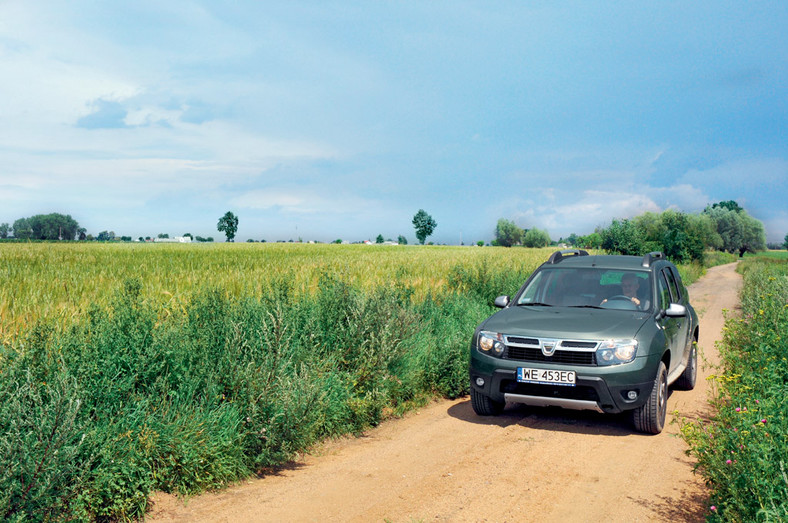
[136,397]
[507,233]
[379,239]
[536,238]
[228,224]
[738,231]
[5,229]
[742,450]
[402,240]
[785,242]
[53,226]
[424,224]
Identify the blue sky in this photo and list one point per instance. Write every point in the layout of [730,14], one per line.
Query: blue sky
[325,120]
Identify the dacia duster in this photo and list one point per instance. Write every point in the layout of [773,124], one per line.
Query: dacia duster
[598,332]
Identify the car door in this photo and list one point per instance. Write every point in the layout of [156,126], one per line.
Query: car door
[675,329]
[685,323]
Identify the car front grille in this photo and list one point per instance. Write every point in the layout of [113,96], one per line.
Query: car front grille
[569,352]
[560,356]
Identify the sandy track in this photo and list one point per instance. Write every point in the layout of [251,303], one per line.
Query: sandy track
[443,463]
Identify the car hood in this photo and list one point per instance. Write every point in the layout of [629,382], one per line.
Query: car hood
[567,323]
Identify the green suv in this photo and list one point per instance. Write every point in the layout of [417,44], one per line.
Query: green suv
[603,333]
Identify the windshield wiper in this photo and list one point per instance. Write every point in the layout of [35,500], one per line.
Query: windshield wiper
[530,304]
[586,307]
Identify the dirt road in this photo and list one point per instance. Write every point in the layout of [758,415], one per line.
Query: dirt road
[443,463]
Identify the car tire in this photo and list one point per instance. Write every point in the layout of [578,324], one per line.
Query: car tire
[650,417]
[687,379]
[484,405]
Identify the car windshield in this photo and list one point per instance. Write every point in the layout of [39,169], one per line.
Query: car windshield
[589,287]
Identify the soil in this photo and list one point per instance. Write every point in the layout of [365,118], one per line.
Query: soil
[444,463]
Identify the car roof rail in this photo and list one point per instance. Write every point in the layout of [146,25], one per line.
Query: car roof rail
[557,256]
[649,258]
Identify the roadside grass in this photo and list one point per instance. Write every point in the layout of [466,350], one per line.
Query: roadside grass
[126,369]
[183,370]
[742,451]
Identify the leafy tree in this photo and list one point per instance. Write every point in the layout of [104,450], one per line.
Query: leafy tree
[105,236]
[536,238]
[424,225]
[785,243]
[680,241]
[738,230]
[52,226]
[22,229]
[338,240]
[728,204]
[125,238]
[379,239]
[82,234]
[228,224]
[4,228]
[188,235]
[507,233]
[404,241]
[623,237]
[480,243]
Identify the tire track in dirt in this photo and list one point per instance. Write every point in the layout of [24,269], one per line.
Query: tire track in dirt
[443,463]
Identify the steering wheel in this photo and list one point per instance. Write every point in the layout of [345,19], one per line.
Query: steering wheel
[620,297]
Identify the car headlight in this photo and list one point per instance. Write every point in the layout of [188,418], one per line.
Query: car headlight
[491,343]
[615,352]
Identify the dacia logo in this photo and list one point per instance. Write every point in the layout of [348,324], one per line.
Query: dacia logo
[548,347]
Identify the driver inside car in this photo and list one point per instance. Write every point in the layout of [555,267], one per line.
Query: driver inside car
[629,286]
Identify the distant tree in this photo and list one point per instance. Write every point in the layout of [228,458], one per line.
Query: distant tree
[424,225]
[54,226]
[480,243]
[163,235]
[738,230]
[105,236]
[250,240]
[338,240]
[22,229]
[228,224]
[141,239]
[536,238]
[728,204]
[623,237]
[125,238]
[82,234]
[379,239]
[4,228]
[404,241]
[785,243]
[508,233]
[188,235]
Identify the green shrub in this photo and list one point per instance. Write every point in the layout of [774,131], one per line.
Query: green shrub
[742,450]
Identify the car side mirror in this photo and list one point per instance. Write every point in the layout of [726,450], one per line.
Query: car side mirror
[676,311]
[501,301]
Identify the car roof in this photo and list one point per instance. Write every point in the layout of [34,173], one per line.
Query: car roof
[648,262]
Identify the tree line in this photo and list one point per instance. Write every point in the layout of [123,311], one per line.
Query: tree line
[683,237]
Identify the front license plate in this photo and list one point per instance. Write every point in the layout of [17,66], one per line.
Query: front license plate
[547,377]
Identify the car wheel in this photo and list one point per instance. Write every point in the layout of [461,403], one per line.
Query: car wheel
[650,417]
[484,405]
[687,379]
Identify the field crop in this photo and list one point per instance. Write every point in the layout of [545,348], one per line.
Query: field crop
[130,368]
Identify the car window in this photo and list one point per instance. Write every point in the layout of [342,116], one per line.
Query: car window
[663,294]
[674,290]
[589,287]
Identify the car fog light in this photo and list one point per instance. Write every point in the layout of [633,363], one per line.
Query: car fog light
[632,394]
[480,382]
